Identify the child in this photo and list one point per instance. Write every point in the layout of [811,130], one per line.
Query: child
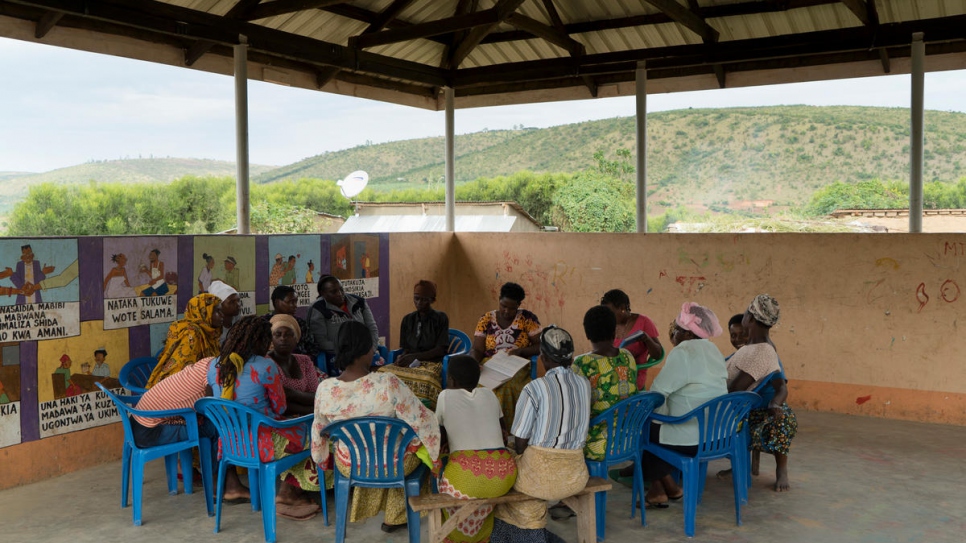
[479,464]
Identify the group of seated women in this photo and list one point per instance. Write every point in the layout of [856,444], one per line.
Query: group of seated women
[263,363]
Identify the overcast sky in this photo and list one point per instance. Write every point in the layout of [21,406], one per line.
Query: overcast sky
[60,107]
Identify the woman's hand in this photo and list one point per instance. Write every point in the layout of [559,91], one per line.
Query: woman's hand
[776,412]
[405,360]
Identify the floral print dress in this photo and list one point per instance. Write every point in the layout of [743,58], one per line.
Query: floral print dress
[515,336]
[612,379]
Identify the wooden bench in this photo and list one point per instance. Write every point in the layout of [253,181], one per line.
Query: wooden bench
[582,503]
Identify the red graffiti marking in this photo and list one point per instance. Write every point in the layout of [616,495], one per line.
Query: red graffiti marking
[949,291]
[662,274]
[954,248]
[869,295]
[921,296]
[862,399]
[690,280]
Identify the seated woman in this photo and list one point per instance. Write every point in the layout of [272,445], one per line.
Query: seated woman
[550,428]
[358,393]
[479,466]
[423,337]
[285,301]
[230,304]
[332,308]
[190,339]
[772,428]
[694,372]
[612,373]
[509,329]
[647,347]
[242,373]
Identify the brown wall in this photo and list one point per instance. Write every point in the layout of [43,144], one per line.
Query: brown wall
[869,322]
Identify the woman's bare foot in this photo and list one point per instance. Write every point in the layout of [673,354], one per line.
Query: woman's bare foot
[724,474]
[781,473]
[291,495]
[234,490]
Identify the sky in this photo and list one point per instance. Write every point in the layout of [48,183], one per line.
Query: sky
[60,107]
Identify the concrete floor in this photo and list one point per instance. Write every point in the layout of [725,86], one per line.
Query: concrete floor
[854,479]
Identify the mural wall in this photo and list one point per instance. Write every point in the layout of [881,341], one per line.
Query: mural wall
[73,311]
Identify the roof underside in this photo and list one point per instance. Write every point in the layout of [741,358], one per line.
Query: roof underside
[507,51]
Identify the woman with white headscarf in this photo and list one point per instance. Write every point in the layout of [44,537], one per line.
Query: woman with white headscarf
[772,428]
[693,373]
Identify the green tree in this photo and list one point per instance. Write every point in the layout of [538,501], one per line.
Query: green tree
[592,202]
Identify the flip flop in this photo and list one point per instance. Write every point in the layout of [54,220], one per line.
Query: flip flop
[676,498]
[236,501]
[654,505]
[296,512]
[390,528]
[625,480]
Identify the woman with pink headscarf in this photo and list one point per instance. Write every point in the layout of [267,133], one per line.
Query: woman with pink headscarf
[693,373]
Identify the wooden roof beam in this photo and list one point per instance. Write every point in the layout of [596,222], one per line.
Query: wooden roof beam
[200,47]
[504,9]
[552,35]
[424,30]
[47,22]
[380,22]
[557,23]
[861,11]
[284,7]
[686,18]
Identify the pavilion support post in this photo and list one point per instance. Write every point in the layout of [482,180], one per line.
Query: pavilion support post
[448,93]
[917,143]
[641,86]
[243,195]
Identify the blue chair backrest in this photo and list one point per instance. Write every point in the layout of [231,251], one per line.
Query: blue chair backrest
[765,390]
[377,447]
[718,421]
[459,343]
[625,423]
[135,374]
[237,426]
[124,409]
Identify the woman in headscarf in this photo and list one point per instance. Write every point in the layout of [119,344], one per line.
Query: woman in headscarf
[244,374]
[285,301]
[694,372]
[423,338]
[774,427]
[512,329]
[190,339]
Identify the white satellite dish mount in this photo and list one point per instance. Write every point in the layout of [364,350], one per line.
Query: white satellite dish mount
[354,183]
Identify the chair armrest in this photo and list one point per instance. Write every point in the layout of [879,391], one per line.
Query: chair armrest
[533,366]
[305,420]
[674,420]
[652,363]
[183,413]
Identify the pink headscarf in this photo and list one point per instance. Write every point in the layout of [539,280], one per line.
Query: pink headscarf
[698,320]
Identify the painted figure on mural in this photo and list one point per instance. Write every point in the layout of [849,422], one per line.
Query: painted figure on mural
[3,395]
[155,270]
[64,370]
[231,273]
[116,282]
[341,260]
[204,278]
[308,275]
[366,265]
[101,368]
[289,277]
[278,270]
[28,273]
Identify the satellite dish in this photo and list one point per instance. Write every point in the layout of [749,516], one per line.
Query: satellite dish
[353,183]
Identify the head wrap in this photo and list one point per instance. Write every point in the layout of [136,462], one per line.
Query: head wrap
[428,286]
[557,345]
[281,320]
[765,310]
[200,310]
[228,385]
[698,320]
[221,289]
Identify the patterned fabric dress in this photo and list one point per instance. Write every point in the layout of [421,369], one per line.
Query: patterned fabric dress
[304,475]
[768,434]
[189,340]
[612,379]
[515,336]
[376,394]
[476,474]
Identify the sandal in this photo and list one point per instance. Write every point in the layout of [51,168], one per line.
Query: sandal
[654,505]
[390,528]
[296,512]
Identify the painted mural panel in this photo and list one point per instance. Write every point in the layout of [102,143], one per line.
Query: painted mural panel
[39,293]
[9,394]
[67,370]
[294,263]
[355,261]
[230,259]
[140,281]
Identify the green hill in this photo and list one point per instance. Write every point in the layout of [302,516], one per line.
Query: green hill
[733,157]
[15,185]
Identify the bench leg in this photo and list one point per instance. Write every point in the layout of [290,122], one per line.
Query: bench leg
[586,516]
[435,521]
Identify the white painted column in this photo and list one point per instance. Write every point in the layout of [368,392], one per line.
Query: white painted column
[641,85]
[916,145]
[242,197]
[450,162]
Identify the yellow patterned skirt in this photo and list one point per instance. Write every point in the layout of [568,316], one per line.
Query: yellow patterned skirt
[476,474]
[424,381]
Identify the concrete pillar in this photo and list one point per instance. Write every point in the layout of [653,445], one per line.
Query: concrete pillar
[243,195]
[916,145]
[641,85]
[450,162]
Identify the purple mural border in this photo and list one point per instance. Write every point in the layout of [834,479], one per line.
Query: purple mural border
[29,399]
[262,295]
[186,271]
[90,262]
[380,306]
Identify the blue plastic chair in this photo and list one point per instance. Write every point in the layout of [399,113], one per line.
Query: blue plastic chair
[719,436]
[238,427]
[135,374]
[625,425]
[326,361]
[459,344]
[767,393]
[133,457]
[377,447]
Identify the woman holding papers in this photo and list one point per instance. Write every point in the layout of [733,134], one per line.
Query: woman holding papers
[647,347]
[515,332]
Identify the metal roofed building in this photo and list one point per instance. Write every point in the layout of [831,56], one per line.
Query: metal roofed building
[431,217]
